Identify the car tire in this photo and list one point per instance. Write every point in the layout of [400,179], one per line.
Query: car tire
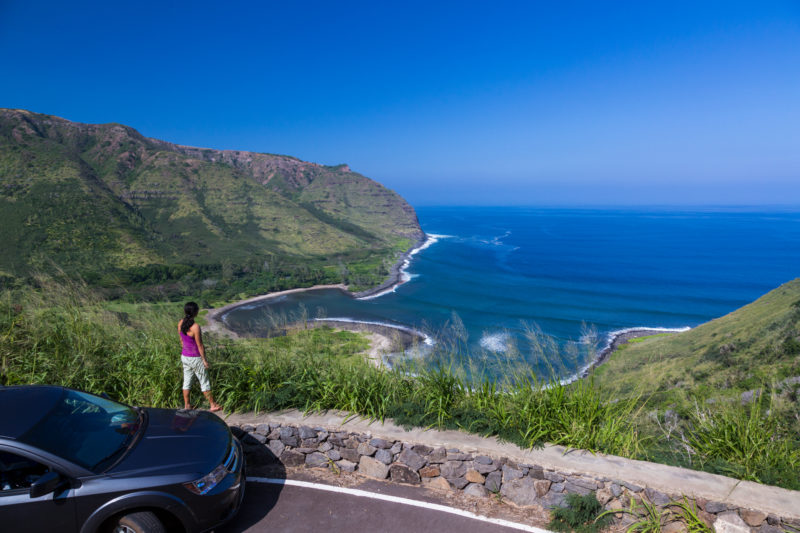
[139,522]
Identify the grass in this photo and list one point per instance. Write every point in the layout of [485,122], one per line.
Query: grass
[746,442]
[647,337]
[63,333]
[582,514]
[756,345]
[636,340]
[687,513]
[648,518]
[722,397]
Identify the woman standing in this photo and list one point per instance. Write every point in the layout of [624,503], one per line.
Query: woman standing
[193,356]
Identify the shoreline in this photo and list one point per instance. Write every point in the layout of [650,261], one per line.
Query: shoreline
[216,322]
[614,340]
[397,273]
[215,317]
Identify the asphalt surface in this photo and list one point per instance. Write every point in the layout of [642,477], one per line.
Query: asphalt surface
[287,508]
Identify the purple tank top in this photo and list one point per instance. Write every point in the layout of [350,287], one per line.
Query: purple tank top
[189,346]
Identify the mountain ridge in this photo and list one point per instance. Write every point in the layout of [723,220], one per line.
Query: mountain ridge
[98,199]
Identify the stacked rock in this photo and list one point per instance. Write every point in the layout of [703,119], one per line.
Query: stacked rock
[473,474]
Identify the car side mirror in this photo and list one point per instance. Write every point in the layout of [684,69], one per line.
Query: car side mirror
[45,484]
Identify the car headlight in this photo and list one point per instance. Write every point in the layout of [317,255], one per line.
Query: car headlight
[208,482]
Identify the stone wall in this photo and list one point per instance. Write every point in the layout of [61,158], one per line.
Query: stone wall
[475,475]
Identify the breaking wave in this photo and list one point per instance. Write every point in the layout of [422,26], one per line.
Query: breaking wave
[495,342]
[404,276]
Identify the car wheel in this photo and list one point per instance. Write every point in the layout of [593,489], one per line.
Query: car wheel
[140,522]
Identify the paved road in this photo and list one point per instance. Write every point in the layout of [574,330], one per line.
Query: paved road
[287,508]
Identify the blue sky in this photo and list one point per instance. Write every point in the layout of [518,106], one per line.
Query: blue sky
[498,103]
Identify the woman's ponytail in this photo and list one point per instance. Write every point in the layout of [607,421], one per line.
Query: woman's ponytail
[190,311]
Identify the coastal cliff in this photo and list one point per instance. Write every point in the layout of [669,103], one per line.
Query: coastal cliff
[105,202]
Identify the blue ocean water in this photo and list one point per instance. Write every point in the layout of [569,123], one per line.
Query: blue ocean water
[497,273]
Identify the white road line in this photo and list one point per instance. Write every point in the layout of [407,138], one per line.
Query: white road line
[396,499]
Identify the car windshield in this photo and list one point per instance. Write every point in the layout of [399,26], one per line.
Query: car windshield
[85,429]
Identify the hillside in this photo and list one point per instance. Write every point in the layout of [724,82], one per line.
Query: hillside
[121,209]
[753,347]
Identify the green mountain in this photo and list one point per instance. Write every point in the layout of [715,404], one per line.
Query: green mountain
[755,347]
[121,209]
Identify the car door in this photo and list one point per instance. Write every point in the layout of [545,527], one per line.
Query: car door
[18,511]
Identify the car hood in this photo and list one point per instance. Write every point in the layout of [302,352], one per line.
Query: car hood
[193,442]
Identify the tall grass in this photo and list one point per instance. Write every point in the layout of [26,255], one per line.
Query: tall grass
[62,334]
[747,442]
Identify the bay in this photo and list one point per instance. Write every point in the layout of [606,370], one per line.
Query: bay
[495,274]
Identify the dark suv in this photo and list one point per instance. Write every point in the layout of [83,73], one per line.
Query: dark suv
[73,461]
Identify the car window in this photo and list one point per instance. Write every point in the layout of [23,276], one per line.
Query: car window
[85,429]
[17,472]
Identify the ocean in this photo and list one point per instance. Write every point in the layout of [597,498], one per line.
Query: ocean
[548,286]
